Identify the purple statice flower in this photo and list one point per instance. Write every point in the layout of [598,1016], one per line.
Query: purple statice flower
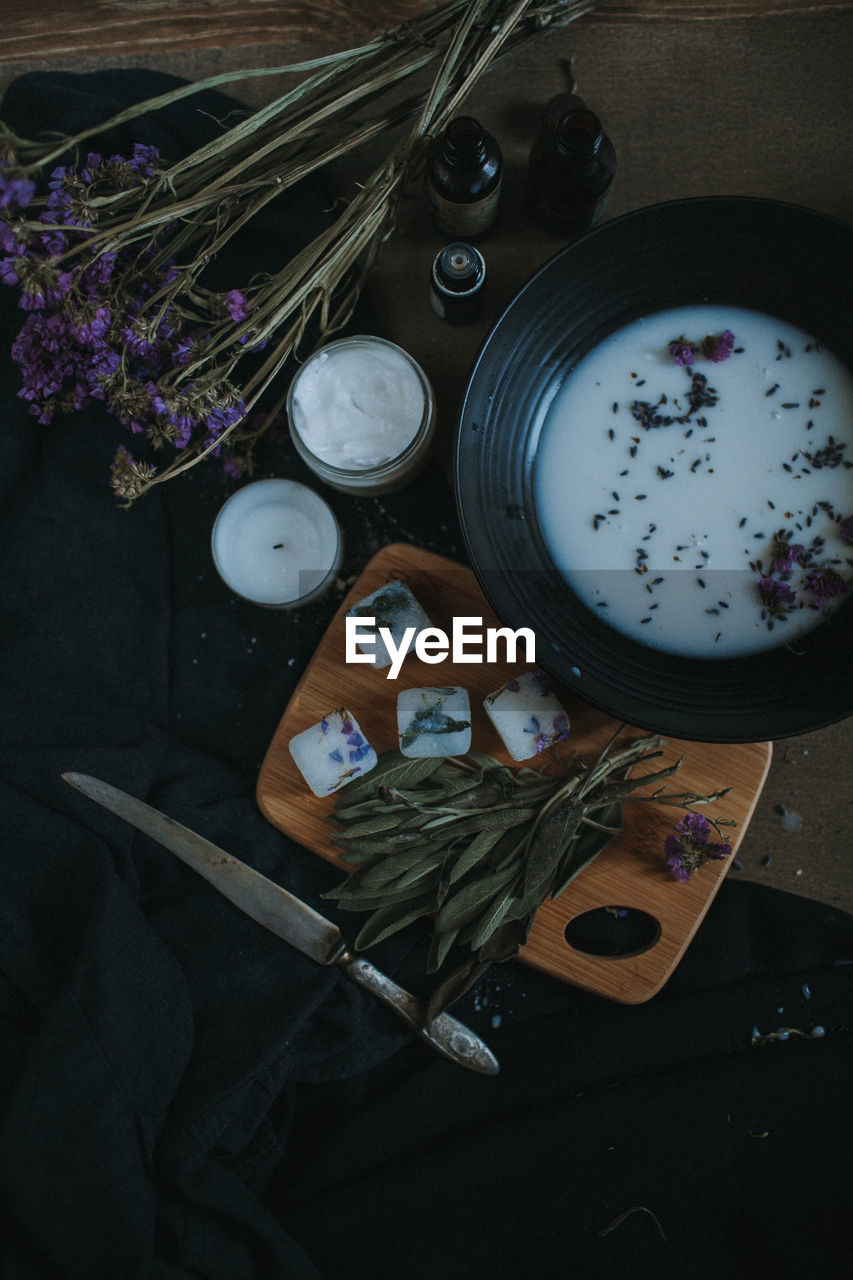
[15,192]
[41,339]
[52,242]
[236,305]
[722,347]
[66,204]
[825,584]
[688,847]
[10,268]
[128,476]
[845,530]
[137,341]
[102,368]
[98,272]
[142,161]
[188,347]
[252,343]
[777,597]
[42,284]
[219,420]
[233,467]
[785,554]
[89,173]
[176,416]
[10,240]
[223,417]
[682,353]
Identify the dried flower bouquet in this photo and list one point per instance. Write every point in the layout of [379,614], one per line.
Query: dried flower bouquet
[109,259]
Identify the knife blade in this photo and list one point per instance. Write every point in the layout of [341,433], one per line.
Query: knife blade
[289,918]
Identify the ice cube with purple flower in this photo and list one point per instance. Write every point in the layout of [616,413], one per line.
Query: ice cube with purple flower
[332,752]
[434,721]
[528,715]
[395,607]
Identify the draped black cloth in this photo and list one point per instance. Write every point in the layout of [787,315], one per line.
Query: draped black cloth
[183,1095]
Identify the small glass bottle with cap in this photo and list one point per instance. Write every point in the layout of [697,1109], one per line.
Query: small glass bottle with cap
[458,277]
[572,165]
[464,168]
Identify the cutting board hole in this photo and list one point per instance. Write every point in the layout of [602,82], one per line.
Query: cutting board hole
[612,931]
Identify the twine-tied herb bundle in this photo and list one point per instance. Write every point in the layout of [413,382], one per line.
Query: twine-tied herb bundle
[477,847]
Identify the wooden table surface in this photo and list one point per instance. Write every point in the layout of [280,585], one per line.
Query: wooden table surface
[749,97]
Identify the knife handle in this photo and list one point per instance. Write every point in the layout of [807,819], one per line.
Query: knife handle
[444,1034]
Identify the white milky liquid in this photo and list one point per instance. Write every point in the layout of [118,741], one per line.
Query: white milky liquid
[666,530]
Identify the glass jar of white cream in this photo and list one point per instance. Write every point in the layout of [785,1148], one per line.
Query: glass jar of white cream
[362,415]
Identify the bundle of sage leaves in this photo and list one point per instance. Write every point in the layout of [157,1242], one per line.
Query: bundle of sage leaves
[477,846]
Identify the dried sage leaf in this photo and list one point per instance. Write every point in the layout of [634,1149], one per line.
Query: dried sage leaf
[587,844]
[548,845]
[439,949]
[388,920]
[471,898]
[454,987]
[474,852]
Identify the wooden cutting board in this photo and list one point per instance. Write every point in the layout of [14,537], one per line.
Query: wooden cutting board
[628,874]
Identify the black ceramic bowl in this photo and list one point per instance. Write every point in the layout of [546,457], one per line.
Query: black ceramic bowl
[781,259]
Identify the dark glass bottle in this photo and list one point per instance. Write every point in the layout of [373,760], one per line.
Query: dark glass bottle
[571,168]
[457,278]
[464,169]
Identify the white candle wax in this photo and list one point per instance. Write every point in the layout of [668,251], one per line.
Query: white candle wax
[276,543]
[664,518]
[361,414]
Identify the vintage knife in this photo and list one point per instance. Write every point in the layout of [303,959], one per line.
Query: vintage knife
[294,921]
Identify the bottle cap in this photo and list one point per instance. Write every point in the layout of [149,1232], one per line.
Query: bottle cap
[458,269]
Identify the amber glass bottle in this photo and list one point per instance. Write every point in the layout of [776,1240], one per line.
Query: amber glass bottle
[571,168]
[458,276]
[464,168]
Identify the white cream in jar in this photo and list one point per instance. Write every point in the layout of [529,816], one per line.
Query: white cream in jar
[711,529]
[361,414]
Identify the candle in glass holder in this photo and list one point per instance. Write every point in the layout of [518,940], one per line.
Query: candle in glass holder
[277,543]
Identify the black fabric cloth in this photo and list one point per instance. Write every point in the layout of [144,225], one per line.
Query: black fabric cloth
[183,1095]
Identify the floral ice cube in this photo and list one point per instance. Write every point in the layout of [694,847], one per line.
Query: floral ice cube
[434,721]
[527,715]
[332,752]
[393,606]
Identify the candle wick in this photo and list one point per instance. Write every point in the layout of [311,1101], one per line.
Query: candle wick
[276,545]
